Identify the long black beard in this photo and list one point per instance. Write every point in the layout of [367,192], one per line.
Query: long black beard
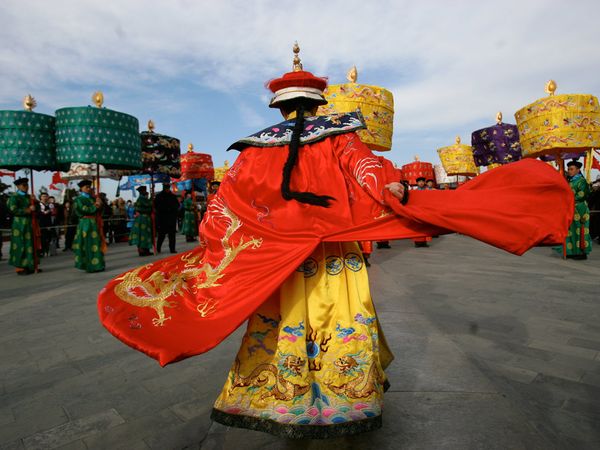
[302,197]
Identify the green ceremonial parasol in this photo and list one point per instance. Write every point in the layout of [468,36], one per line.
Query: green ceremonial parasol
[98,135]
[87,134]
[27,141]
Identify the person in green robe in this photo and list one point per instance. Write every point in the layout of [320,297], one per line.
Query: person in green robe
[88,246]
[190,223]
[579,242]
[21,238]
[141,231]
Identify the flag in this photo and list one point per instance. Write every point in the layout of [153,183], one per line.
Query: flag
[58,183]
[595,162]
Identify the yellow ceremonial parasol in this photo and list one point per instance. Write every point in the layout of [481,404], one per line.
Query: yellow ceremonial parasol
[458,159]
[375,103]
[560,126]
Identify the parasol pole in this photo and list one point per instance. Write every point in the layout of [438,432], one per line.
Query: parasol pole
[98,99]
[29,103]
[582,237]
[589,159]
[34,225]
[153,210]
[153,213]
[99,222]
[561,165]
[561,168]
[191,149]
[194,200]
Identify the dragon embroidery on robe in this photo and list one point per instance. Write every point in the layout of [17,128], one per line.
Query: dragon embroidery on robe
[279,387]
[362,385]
[158,289]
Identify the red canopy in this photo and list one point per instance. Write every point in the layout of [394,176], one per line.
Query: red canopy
[197,165]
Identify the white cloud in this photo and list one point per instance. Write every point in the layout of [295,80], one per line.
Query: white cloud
[449,64]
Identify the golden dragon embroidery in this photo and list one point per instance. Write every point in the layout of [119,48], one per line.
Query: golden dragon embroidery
[157,290]
[260,377]
[360,387]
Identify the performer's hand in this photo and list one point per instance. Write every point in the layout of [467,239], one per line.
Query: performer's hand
[397,189]
[32,208]
[98,203]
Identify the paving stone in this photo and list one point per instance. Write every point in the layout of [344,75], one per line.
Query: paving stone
[590,408]
[568,350]
[191,409]
[14,445]
[84,401]
[183,435]
[130,435]
[432,364]
[137,405]
[514,373]
[576,427]
[6,415]
[449,312]
[75,445]
[51,360]
[29,378]
[591,378]
[585,343]
[32,420]
[73,431]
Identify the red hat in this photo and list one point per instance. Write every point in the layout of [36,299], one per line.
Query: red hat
[297,84]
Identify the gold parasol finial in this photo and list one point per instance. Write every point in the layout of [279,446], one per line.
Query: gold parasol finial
[151,126]
[297,63]
[417,158]
[499,118]
[190,147]
[352,75]
[98,98]
[457,140]
[550,87]
[29,103]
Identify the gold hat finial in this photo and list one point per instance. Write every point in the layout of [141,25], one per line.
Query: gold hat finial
[98,98]
[297,63]
[190,147]
[499,118]
[151,126]
[29,103]
[417,158]
[352,75]
[457,140]
[550,87]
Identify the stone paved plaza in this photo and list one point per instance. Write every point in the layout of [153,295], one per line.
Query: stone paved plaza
[493,351]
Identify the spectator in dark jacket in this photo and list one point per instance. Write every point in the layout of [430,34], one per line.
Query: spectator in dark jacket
[166,207]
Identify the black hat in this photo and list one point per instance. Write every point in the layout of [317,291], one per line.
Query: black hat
[83,183]
[142,190]
[20,181]
[215,183]
[429,179]
[420,179]
[575,163]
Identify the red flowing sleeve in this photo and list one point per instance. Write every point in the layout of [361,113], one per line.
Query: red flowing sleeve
[514,207]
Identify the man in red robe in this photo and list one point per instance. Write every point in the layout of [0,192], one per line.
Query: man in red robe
[297,191]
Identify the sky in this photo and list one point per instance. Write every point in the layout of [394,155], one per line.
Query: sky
[198,68]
